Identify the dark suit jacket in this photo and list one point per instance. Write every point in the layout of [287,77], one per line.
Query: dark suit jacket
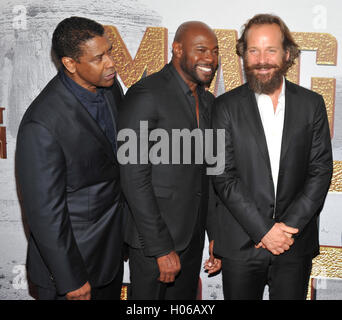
[68,181]
[164,199]
[245,189]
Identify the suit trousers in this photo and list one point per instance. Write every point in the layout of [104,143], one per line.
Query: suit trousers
[287,278]
[144,272]
[111,291]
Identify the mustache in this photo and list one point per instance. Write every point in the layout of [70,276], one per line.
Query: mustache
[262,66]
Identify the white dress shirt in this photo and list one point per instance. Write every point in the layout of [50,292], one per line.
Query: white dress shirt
[273,123]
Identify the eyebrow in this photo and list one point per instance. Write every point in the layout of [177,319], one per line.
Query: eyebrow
[101,54]
[203,46]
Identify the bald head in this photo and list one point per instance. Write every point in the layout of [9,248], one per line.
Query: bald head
[191,27]
[195,53]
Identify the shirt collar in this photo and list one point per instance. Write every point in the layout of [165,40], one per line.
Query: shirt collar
[182,83]
[79,90]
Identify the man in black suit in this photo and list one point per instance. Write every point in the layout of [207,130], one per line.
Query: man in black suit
[278,167]
[68,174]
[169,201]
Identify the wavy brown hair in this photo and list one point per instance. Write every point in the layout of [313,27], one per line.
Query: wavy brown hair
[288,42]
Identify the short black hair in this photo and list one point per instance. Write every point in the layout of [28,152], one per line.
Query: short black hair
[71,33]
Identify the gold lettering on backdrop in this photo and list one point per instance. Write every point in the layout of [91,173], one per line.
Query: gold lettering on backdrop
[325,46]
[3,142]
[326,87]
[229,65]
[327,265]
[151,55]
[336,181]
[323,43]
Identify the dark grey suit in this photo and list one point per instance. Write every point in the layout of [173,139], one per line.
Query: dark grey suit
[246,200]
[68,181]
[168,202]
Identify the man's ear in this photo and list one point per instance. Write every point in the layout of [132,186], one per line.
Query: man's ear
[287,55]
[69,64]
[177,49]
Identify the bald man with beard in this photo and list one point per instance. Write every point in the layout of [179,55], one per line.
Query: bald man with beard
[168,203]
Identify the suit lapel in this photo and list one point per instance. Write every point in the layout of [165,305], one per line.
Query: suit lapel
[204,111]
[251,113]
[190,114]
[289,120]
[114,97]
[94,129]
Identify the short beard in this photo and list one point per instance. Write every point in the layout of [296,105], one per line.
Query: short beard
[193,74]
[264,86]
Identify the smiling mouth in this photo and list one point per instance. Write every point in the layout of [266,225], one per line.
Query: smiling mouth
[264,70]
[206,70]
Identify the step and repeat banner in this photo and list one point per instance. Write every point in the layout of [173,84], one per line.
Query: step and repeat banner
[142,32]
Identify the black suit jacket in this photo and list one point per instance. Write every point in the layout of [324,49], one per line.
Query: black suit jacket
[164,199]
[68,182]
[246,203]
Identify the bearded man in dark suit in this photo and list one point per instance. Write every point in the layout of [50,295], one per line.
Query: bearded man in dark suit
[278,167]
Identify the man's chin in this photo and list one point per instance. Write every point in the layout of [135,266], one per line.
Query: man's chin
[106,83]
[205,81]
[264,78]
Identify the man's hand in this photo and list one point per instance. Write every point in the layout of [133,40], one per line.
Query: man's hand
[278,239]
[82,293]
[169,266]
[213,264]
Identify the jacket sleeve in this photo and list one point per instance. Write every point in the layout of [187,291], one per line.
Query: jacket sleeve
[230,188]
[136,179]
[311,199]
[41,177]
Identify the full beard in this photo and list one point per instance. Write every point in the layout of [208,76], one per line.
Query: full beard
[265,84]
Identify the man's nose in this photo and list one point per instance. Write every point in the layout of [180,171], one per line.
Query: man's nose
[109,61]
[262,57]
[209,56]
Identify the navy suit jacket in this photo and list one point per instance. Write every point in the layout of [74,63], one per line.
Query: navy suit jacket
[69,186]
